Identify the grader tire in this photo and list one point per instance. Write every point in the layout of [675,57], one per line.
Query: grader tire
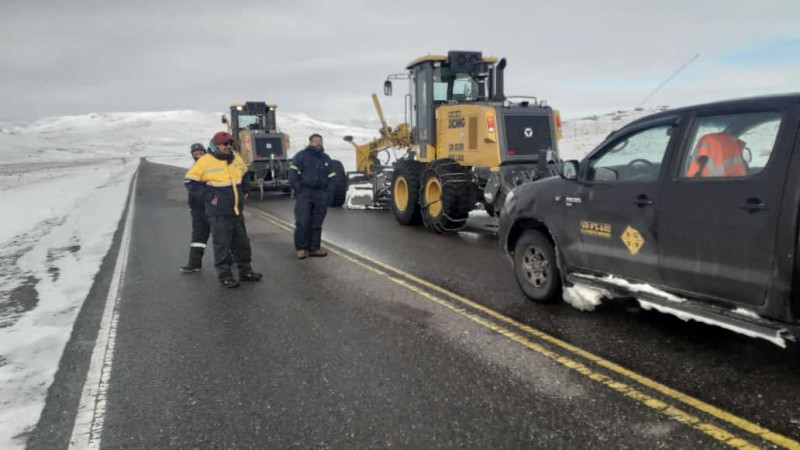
[447,196]
[405,192]
[339,184]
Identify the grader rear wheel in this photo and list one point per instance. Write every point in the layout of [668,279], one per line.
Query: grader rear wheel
[447,196]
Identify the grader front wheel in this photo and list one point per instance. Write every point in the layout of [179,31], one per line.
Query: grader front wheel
[405,192]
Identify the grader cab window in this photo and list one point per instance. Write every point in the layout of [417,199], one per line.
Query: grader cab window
[448,86]
[465,88]
[251,122]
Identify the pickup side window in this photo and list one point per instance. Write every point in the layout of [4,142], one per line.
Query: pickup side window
[730,145]
[634,157]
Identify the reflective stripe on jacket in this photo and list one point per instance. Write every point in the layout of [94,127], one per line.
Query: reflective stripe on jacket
[718,155]
[212,177]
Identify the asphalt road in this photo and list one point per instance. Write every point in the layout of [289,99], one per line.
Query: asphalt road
[381,345]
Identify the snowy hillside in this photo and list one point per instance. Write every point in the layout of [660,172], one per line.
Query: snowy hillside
[580,136]
[161,136]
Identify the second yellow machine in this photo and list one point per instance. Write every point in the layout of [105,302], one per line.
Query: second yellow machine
[467,143]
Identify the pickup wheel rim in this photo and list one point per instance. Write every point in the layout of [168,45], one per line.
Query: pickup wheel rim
[535,266]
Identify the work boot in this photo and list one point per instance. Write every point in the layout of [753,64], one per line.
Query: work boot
[227,281]
[249,275]
[302,254]
[318,253]
[195,260]
[189,268]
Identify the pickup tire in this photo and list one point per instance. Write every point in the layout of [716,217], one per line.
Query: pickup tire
[536,267]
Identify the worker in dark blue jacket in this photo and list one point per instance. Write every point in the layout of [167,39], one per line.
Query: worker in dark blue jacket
[200,226]
[310,175]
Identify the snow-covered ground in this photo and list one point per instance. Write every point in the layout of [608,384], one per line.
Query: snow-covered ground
[160,136]
[580,136]
[63,185]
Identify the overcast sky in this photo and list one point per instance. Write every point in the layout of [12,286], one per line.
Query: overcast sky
[324,58]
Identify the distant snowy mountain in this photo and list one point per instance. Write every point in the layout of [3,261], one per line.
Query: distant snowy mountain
[161,136]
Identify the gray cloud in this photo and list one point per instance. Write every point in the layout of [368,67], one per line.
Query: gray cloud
[325,58]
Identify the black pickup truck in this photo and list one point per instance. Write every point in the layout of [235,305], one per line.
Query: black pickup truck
[691,211]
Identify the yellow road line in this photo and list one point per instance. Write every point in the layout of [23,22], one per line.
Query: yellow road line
[736,421]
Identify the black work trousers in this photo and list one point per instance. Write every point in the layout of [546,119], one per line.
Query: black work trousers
[200,232]
[310,208]
[231,244]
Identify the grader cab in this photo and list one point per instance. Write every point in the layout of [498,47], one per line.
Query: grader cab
[466,142]
[261,144]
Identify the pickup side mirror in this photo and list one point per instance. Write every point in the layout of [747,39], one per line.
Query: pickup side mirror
[569,170]
[387,88]
[224,119]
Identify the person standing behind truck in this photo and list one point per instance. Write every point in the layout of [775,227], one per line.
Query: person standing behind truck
[200,226]
[218,179]
[310,175]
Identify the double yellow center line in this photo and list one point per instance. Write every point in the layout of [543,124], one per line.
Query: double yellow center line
[550,346]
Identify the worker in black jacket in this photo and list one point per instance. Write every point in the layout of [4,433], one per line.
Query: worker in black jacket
[200,227]
[310,175]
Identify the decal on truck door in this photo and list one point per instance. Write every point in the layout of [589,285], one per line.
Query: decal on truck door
[632,239]
[602,230]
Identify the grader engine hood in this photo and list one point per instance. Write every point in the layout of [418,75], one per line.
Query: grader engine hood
[255,145]
[269,145]
[525,133]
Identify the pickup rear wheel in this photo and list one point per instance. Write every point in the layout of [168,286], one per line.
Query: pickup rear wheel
[536,268]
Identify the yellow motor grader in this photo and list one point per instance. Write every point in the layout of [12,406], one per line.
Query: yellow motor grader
[466,143]
[265,148]
[261,144]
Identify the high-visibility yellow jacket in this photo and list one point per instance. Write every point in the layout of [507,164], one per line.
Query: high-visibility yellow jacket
[221,177]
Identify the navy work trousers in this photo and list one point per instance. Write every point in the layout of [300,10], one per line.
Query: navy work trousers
[310,208]
[231,244]
[200,232]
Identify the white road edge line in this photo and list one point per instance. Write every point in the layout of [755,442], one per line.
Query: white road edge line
[89,421]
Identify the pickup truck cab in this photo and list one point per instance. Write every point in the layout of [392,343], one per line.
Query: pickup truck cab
[691,211]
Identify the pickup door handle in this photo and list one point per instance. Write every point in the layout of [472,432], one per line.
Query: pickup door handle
[642,200]
[753,205]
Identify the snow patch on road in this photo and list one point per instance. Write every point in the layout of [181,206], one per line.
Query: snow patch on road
[583,297]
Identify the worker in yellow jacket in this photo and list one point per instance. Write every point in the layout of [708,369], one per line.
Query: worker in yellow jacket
[218,179]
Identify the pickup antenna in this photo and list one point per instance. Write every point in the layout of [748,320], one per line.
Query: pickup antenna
[668,80]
